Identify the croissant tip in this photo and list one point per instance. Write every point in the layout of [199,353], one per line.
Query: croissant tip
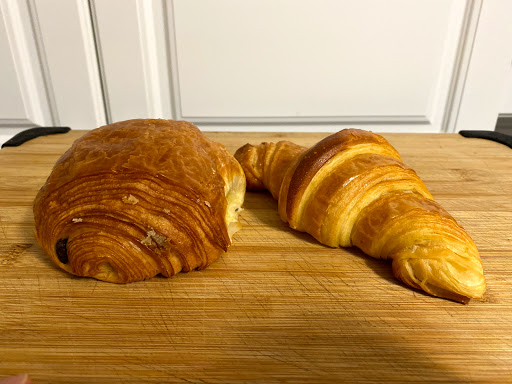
[450,295]
[458,298]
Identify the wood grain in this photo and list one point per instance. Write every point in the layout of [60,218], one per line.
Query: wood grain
[278,307]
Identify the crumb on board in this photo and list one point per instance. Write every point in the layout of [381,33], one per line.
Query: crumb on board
[167,210]
[77,220]
[207,203]
[130,199]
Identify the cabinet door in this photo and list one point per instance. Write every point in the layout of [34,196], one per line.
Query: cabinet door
[396,65]
[49,68]
[285,65]
[23,97]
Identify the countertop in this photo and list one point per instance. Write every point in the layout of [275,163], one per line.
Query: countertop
[278,306]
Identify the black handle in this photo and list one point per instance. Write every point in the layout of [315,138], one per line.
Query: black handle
[32,133]
[499,137]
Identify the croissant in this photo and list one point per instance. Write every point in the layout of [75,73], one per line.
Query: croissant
[138,198]
[352,189]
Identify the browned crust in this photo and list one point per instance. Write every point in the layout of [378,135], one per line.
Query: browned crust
[319,154]
[138,197]
[265,164]
[247,156]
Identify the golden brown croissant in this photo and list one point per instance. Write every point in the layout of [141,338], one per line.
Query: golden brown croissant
[351,189]
[138,198]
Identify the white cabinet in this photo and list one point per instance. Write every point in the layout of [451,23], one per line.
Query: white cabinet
[49,64]
[287,65]
[23,94]
[66,35]
[11,105]
[132,38]
[506,105]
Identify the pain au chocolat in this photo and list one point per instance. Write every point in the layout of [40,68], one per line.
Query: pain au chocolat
[138,198]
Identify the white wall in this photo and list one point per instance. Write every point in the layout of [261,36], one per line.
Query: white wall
[285,65]
[23,91]
[49,65]
[506,104]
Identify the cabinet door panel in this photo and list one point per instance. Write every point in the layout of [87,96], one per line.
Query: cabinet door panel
[23,92]
[11,107]
[329,59]
[49,68]
[70,56]
[280,65]
[302,65]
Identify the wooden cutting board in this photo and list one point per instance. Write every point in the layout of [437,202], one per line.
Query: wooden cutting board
[278,307]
